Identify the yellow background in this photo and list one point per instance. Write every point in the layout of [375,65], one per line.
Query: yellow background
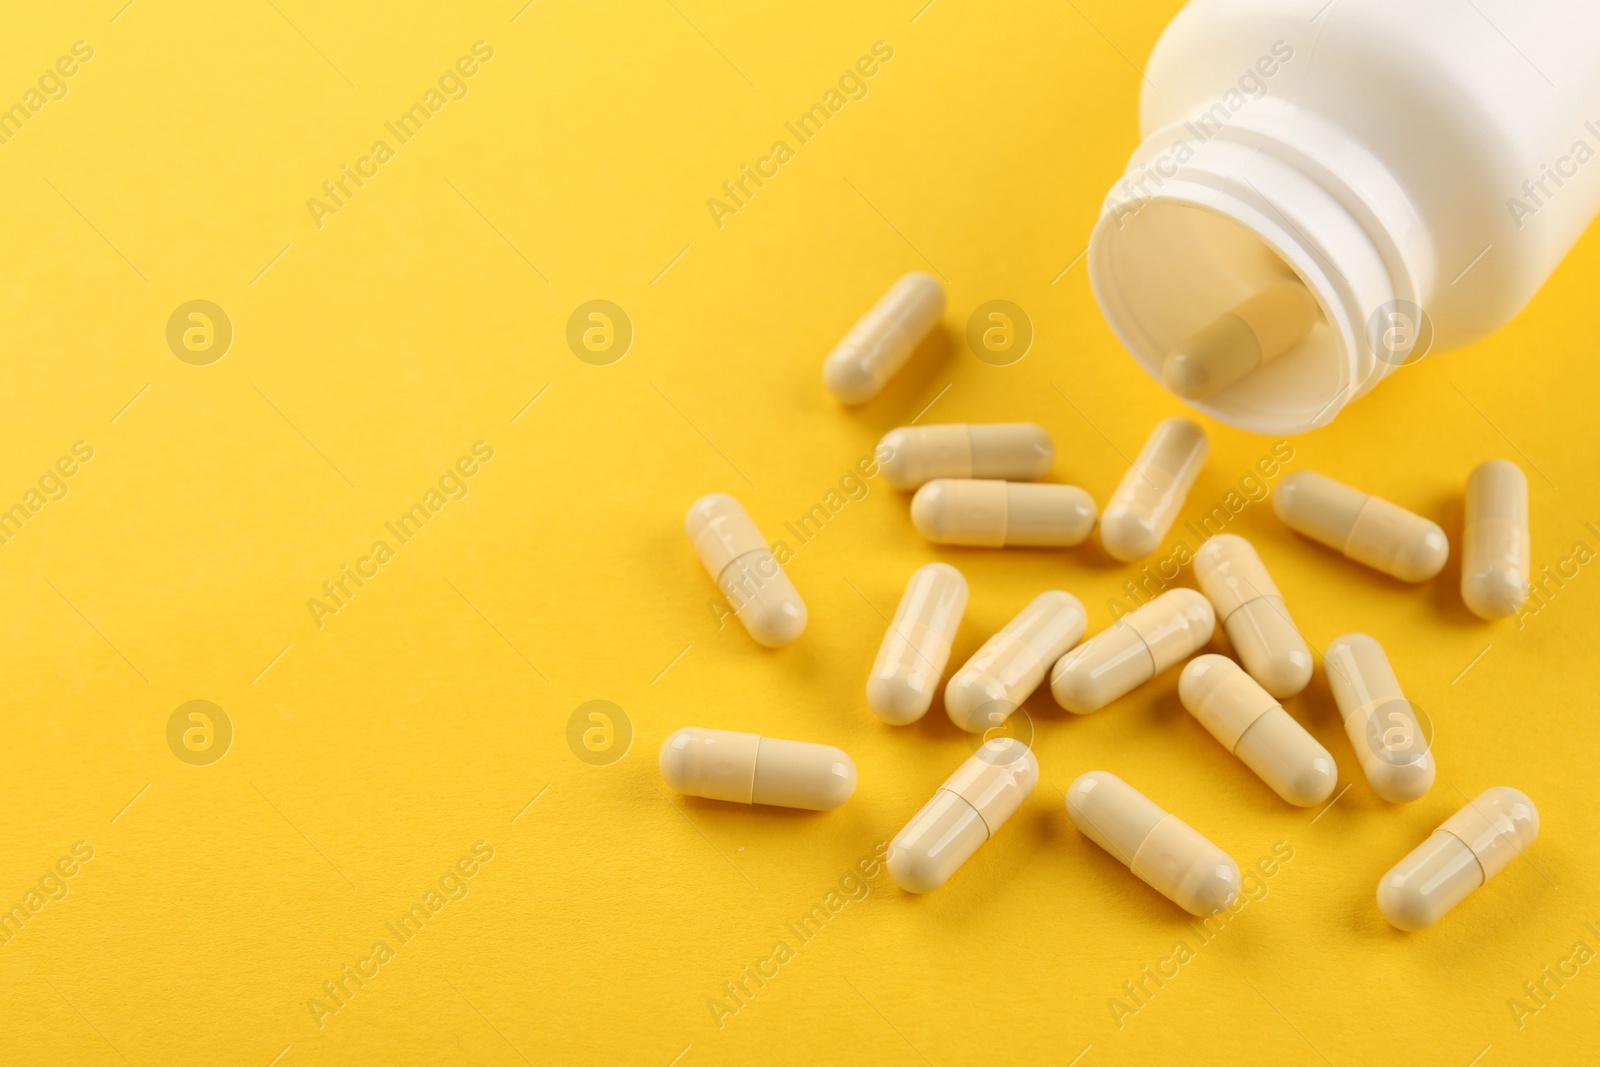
[371,753]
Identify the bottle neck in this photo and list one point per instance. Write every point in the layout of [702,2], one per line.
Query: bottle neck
[1208,216]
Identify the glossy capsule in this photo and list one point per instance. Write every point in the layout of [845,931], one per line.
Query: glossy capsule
[751,769]
[1153,491]
[1136,648]
[1255,333]
[989,514]
[914,652]
[879,344]
[1495,547]
[1251,609]
[1473,845]
[737,558]
[1241,715]
[1009,451]
[1381,723]
[1159,848]
[1012,663]
[1367,529]
[967,810]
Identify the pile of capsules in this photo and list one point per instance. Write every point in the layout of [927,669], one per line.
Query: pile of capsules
[974,486]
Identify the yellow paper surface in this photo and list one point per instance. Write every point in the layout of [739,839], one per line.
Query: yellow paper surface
[424,713]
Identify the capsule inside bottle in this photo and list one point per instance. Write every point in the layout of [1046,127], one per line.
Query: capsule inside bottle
[1161,849]
[1471,847]
[880,343]
[751,769]
[1254,333]
[1253,615]
[1153,491]
[1245,719]
[915,651]
[1136,648]
[1496,552]
[1381,723]
[737,558]
[967,810]
[1010,452]
[1012,663]
[991,514]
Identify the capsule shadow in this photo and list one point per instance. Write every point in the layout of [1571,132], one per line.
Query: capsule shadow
[907,392]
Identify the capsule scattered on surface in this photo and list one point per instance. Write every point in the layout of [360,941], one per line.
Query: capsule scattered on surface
[1495,547]
[1012,663]
[1136,648]
[737,558]
[1381,723]
[1255,333]
[1252,613]
[1153,491]
[1009,451]
[751,769]
[1161,849]
[879,344]
[989,514]
[914,652]
[1367,529]
[1473,845]
[967,810]
[1250,724]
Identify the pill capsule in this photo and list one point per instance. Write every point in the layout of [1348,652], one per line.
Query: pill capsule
[1161,849]
[1367,529]
[1473,845]
[1495,548]
[744,568]
[1250,724]
[1256,332]
[1152,492]
[880,343]
[751,769]
[1136,648]
[1011,451]
[1381,723]
[972,804]
[989,514]
[916,649]
[1251,609]
[1012,663]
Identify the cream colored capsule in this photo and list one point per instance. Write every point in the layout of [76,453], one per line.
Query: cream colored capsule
[1012,663]
[1365,528]
[1010,451]
[1256,332]
[744,568]
[1266,639]
[1137,647]
[1250,724]
[1159,848]
[750,769]
[1473,845]
[1381,723]
[972,804]
[880,343]
[1148,500]
[914,652]
[1495,547]
[989,514]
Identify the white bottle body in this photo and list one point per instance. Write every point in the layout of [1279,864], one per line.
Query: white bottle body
[1423,167]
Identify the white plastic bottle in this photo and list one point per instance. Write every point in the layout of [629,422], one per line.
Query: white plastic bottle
[1421,166]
